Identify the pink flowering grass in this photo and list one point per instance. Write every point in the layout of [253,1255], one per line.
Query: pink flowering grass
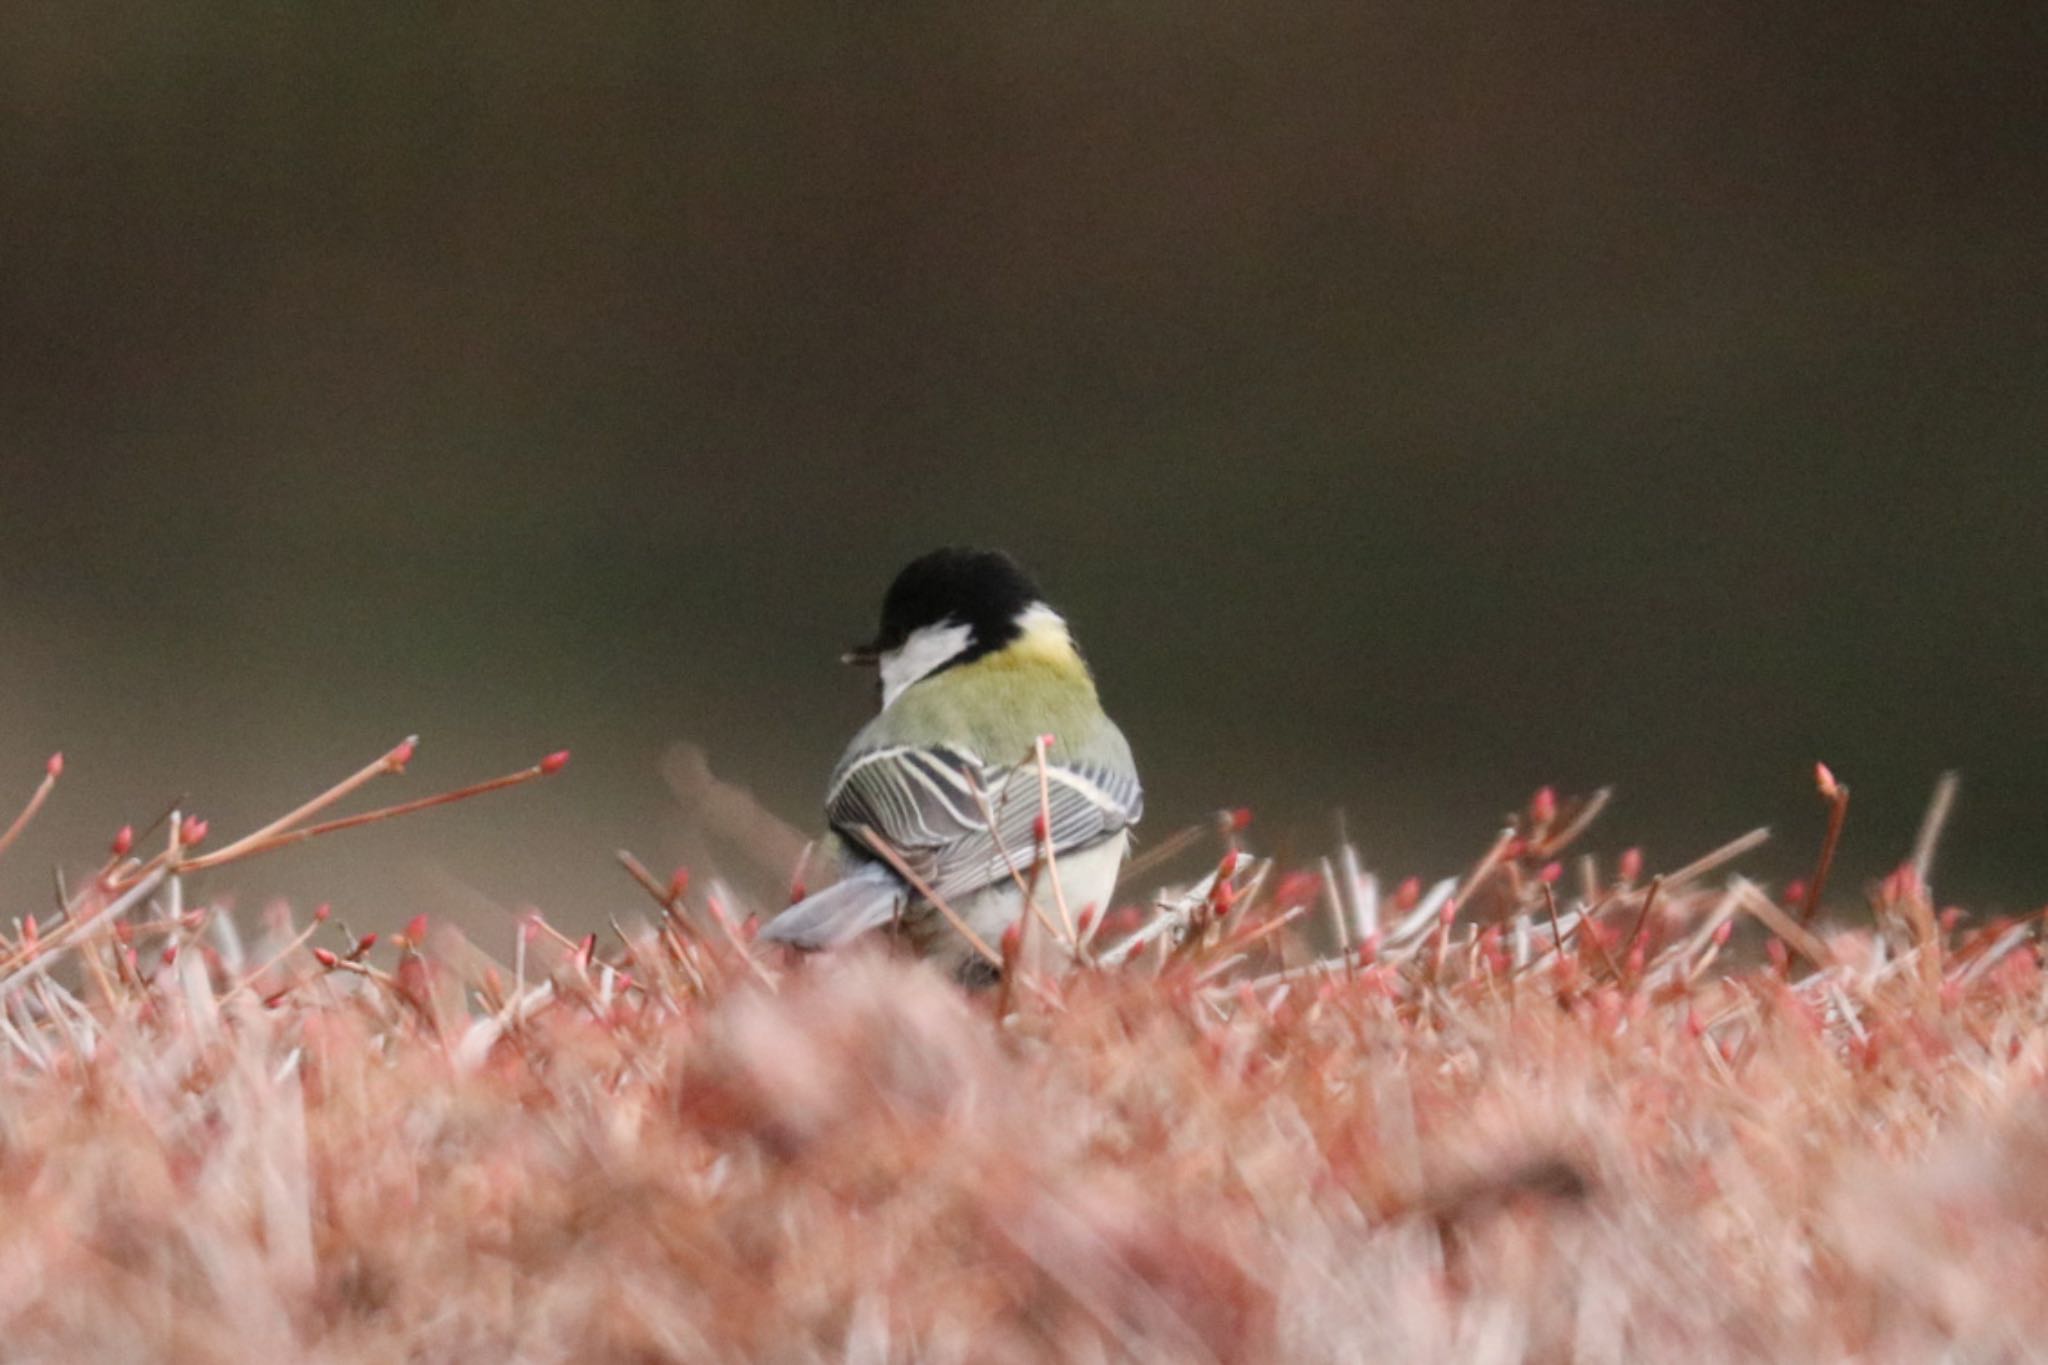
[1555,1109]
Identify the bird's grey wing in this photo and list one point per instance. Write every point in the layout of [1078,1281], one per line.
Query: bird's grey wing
[961,825]
[866,898]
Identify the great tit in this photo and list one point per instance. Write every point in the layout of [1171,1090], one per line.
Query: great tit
[973,667]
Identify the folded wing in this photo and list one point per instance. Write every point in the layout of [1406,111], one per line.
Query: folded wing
[960,824]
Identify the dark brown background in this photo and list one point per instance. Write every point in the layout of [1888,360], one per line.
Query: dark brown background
[1409,404]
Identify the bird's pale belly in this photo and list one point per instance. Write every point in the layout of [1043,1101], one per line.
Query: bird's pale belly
[1087,877]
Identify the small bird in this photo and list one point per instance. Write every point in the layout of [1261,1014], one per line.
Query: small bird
[973,668]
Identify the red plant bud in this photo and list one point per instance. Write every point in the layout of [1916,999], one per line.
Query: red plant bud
[1013,941]
[1448,913]
[124,839]
[1240,819]
[1048,739]
[1226,866]
[1694,1025]
[1086,921]
[587,949]
[402,755]
[678,884]
[1724,931]
[321,912]
[554,763]
[325,958]
[28,932]
[1369,947]
[416,930]
[1636,957]
[1779,955]
[1543,806]
[1409,894]
[1040,830]
[55,764]
[363,945]
[192,831]
[170,954]
[1795,891]
[1298,888]
[1550,873]
[1824,778]
[1950,918]
[1631,866]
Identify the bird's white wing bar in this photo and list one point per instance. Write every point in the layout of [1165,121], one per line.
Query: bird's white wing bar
[933,806]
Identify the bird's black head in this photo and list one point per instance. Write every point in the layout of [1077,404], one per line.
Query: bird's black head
[983,590]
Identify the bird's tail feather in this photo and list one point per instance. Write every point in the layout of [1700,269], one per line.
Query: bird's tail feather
[862,900]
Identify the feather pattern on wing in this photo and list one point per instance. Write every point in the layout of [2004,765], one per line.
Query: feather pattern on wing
[953,818]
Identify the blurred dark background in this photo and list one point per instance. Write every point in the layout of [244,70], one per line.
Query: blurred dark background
[1410,405]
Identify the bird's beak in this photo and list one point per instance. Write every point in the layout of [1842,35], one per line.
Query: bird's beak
[862,656]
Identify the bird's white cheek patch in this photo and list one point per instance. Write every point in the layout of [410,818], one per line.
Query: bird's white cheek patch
[928,648]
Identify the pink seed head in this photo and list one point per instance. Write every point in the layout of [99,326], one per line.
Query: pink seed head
[554,763]
[192,831]
[321,912]
[1240,819]
[55,765]
[124,839]
[364,944]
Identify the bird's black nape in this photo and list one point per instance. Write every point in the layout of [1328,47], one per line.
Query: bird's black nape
[985,590]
